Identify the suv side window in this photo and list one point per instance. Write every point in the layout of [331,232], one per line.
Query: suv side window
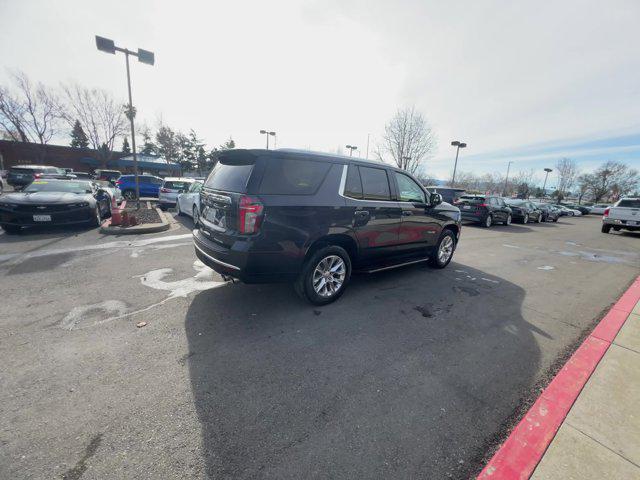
[408,190]
[141,179]
[353,184]
[375,184]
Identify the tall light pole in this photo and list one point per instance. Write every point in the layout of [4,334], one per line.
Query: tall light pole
[267,133]
[458,146]
[351,149]
[144,56]
[368,146]
[548,170]
[506,179]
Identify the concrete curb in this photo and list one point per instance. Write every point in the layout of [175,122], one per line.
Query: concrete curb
[520,454]
[107,229]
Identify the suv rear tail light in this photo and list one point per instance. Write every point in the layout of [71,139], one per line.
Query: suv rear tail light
[118,182]
[164,190]
[37,175]
[483,205]
[606,212]
[250,211]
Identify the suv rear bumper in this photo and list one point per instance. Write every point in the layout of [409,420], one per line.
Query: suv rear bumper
[477,216]
[249,267]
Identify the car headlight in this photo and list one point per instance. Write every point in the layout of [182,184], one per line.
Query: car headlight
[81,204]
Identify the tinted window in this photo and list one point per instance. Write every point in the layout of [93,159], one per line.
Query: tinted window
[375,184]
[195,187]
[408,190]
[629,203]
[141,179]
[177,185]
[472,199]
[293,177]
[59,186]
[353,185]
[230,177]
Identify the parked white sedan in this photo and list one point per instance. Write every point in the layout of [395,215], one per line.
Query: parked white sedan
[188,203]
[599,208]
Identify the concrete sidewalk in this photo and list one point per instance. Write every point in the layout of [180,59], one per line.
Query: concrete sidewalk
[600,437]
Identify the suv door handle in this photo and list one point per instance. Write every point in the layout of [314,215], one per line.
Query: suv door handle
[407,213]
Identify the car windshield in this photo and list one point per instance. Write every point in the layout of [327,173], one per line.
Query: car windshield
[630,203]
[103,184]
[511,201]
[65,186]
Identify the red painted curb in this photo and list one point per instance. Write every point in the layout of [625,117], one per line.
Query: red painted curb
[519,455]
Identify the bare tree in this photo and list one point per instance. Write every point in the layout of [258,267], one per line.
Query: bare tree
[102,118]
[408,140]
[567,172]
[28,112]
[611,180]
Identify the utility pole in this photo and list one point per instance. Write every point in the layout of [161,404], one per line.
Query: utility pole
[459,145]
[267,133]
[144,56]
[506,179]
[548,170]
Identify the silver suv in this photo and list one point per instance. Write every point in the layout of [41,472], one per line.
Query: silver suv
[171,187]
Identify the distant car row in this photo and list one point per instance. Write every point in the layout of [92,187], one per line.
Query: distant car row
[489,209]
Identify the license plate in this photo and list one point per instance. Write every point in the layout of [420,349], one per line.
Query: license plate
[632,222]
[42,218]
[215,216]
[467,207]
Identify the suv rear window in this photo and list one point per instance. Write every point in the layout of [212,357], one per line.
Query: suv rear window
[285,176]
[26,170]
[231,177]
[176,185]
[470,199]
[629,203]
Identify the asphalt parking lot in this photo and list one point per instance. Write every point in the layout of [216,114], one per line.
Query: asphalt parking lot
[413,373]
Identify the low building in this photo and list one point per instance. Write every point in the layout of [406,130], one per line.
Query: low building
[79,159]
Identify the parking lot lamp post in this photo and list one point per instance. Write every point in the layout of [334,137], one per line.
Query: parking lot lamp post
[506,179]
[458,146]
[548,170]
[144,56]
[351,149]
[267,133]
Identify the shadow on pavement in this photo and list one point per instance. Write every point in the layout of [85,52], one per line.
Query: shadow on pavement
[513,228]
[410,374]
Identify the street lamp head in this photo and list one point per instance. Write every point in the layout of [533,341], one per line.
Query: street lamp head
[548,170]
[273,134]
[145,56]
[455,143]
[105,45]
[463,145]
[264,132]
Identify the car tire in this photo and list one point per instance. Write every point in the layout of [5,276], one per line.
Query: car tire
[11,229]
[539,219]
[162,207]
[97,217]
[320,266]
[178,208]
[525,219]
[555,219]
[606,228]
[488,221]
[441,259]
[129,194]
[508,220]
[196,216]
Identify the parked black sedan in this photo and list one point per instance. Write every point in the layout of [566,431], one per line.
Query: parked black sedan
[524,211]
[549,212]
[54,202]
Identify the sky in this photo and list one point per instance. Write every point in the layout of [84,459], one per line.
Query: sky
[524,81]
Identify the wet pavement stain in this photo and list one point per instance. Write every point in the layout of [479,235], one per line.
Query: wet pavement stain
[78,470]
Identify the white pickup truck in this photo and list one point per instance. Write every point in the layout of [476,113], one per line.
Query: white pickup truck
[624,214]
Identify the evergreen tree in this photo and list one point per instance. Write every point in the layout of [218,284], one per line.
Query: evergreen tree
[78,137]
[125,146]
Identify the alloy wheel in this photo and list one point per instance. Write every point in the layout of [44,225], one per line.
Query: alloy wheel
[526,218]
[508,222]
[196,222]
[329,275]
[488,221]
[445,250]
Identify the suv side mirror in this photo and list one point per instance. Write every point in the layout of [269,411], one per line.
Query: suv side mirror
[435,199]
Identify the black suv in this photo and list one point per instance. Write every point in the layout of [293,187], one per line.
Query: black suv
[311,218]
[484,209]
